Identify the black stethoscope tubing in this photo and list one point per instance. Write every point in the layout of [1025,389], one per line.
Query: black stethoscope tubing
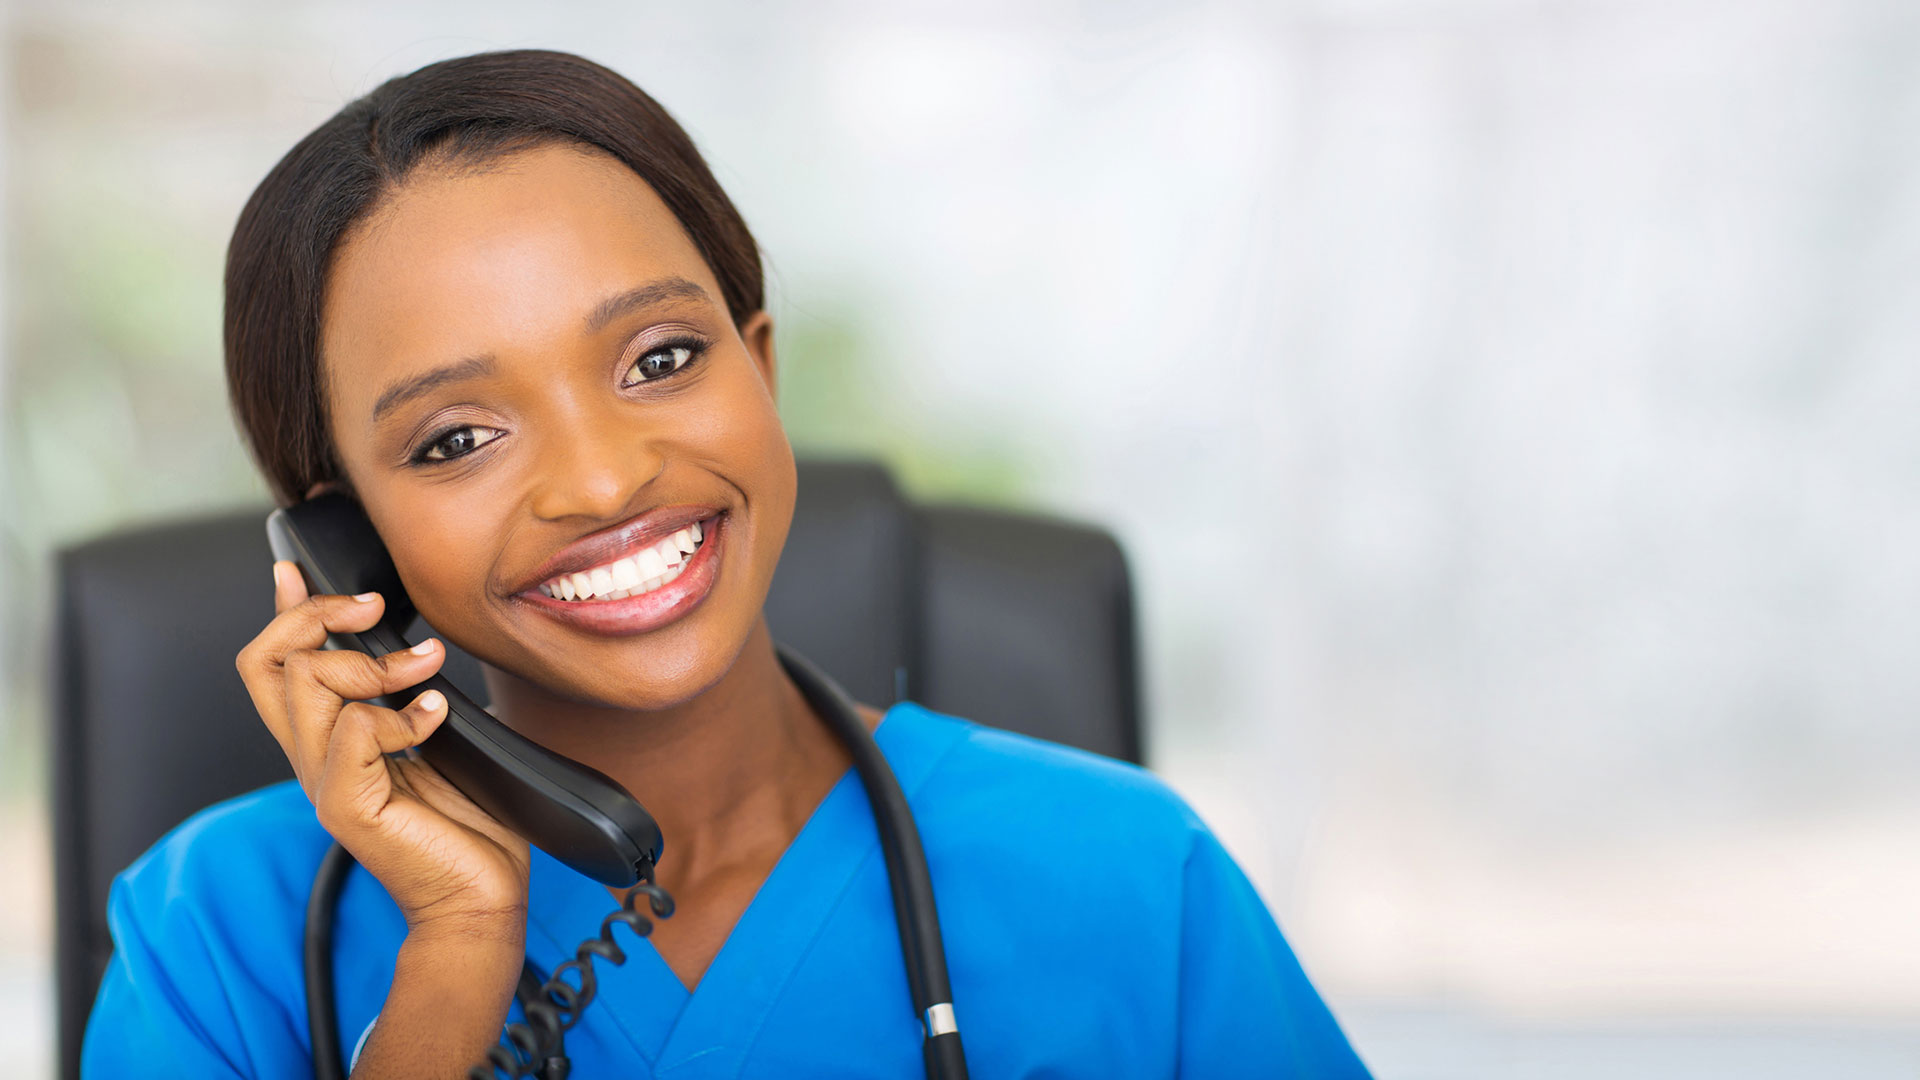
[913,909]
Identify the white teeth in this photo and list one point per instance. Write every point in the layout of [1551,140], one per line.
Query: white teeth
[626,574]
[642,572]
[650,564]
[669,551]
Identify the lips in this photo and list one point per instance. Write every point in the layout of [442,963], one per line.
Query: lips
[641,612]
[610,545]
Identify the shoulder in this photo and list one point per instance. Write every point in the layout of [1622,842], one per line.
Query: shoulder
[1046,792]
[1069,877]
[206,939]
[230,881]
[267,841]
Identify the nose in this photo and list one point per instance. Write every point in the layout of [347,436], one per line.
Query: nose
[594,467]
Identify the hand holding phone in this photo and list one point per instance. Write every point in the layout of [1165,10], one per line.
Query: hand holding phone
[575,813]
[428,791]
[444,860]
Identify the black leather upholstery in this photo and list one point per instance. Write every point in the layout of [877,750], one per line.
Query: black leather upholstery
[1010,620]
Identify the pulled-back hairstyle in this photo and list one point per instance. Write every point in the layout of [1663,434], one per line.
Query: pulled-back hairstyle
[461,112]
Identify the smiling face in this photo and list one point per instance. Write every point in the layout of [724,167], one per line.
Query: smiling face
[530,373]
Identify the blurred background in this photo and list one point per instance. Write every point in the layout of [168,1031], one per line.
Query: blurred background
[1510,407]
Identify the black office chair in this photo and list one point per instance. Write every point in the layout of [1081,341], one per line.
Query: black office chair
[1015,621]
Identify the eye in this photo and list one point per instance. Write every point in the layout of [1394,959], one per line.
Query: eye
[661,361]
[454,442]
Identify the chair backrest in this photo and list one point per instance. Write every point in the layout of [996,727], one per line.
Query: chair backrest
[1016,621]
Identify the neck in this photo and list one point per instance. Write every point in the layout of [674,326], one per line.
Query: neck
[729,775]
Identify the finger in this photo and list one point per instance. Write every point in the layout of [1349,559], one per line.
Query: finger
[304,626]
[414,776]
[354,784]
[320,683]
[289,587]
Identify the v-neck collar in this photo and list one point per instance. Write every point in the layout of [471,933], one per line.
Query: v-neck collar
[663,1022]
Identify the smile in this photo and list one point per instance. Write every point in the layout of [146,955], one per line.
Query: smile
[642,572]
[643,589]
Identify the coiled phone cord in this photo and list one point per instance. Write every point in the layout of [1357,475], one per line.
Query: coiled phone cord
[538,1044]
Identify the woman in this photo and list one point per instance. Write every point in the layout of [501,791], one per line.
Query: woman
[503,304]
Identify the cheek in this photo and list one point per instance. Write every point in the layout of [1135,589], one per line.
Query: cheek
[732,424]
[737,435]
[731,416]
[752,443]
[442,557]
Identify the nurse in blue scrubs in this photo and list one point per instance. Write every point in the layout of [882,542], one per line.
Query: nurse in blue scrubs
[503,303]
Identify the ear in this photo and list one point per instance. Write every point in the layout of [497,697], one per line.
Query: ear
[321,487]
[757,334]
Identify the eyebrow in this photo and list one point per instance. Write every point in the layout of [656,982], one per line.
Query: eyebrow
[473,367]
[407,389]
[673,288]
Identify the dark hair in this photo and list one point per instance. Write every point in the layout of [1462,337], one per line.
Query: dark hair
[462,112]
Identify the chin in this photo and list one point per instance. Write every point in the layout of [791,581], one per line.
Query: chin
[650,672]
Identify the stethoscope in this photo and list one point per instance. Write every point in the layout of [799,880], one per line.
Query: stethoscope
[555,1005]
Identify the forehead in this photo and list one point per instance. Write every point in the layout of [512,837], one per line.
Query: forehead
[505,259]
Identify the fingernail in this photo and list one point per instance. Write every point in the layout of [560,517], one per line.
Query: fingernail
[277,575]
[423,648]
[431,701]
[366,597]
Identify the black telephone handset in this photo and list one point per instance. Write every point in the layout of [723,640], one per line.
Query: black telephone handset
[574,813]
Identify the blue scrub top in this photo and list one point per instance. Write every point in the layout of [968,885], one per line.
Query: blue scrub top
[1093,925]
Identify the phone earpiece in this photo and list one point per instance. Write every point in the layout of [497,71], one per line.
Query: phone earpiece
[337,547]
